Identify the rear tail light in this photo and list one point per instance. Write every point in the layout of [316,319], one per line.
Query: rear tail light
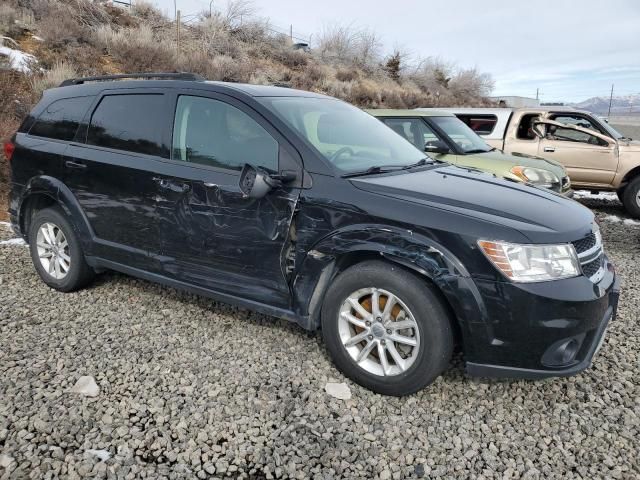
[9,147]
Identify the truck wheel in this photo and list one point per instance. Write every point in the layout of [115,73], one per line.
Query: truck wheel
[631,197]
[386,329]
[56,251]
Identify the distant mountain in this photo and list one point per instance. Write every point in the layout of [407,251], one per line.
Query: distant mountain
[619,105]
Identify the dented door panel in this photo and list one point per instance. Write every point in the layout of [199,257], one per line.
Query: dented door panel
[214,237]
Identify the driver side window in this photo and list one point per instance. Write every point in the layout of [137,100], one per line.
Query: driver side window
[570,135]
[214,133]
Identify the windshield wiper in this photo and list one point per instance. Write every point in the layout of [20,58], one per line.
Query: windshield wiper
[388,168]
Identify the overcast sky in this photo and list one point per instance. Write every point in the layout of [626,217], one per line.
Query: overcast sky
[570,50]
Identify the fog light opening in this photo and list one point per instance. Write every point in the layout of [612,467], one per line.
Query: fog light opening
[563,352]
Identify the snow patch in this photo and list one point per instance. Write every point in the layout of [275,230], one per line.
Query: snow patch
[18,60]
[13,241]
[607,196]
[617,219]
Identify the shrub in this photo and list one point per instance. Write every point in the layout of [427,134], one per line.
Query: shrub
[52,78]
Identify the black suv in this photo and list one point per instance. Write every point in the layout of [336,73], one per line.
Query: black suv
[303,207]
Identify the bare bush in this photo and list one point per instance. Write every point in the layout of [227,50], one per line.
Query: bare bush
[52,78]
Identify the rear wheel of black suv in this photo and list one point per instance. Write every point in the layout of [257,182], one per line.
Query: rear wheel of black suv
[631,197]
[386,329]
[56,251]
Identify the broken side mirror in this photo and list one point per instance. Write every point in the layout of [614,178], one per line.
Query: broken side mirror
[256,182]
[436,146]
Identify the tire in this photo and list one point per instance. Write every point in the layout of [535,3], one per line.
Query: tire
[78,272]
[620,193]
[431,333]
[631,197]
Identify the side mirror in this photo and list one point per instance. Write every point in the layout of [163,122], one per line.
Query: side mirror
[436,146]
[257,182]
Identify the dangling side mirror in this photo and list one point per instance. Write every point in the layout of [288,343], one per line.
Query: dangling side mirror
[256,182]
[537,129]
[436,146]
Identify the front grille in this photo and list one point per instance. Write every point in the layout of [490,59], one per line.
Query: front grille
[587,243]
[591,268]
[590,255]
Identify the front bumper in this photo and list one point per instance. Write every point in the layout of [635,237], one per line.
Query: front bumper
[543,330]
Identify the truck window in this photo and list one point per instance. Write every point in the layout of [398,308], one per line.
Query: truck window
[413,129]
[481,124]
[525,130]
[578,120]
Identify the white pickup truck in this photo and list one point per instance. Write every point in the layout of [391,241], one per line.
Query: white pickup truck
[596,156]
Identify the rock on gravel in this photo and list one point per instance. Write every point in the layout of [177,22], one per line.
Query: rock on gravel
[338,390]
[190,388]
[86,386]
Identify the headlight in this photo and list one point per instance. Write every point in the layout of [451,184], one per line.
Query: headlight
[536,176]
[532,263]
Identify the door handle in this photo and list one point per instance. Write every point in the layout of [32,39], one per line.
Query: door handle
[210,184]
[72,164]
[549,149]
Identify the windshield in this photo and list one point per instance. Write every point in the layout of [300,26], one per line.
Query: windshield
[349,138]
[461,134]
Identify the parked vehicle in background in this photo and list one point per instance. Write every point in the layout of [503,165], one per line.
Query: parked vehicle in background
[596,156]
[445,137]
[304,207]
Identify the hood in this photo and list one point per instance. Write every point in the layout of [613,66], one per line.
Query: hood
[629,145]
[525,160]
[538,214]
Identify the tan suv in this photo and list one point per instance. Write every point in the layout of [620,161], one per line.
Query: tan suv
[596,156]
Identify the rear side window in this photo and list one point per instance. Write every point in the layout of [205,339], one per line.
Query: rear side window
[481,124]
[129,122]
[60,120]
[214,133]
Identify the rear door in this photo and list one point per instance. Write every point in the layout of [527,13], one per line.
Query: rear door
[591,159]
[111,172]
[212,236]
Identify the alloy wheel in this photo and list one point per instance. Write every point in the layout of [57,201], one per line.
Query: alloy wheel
[379,332]
[53,250]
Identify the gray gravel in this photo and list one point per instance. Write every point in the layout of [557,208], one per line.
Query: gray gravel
[190,388]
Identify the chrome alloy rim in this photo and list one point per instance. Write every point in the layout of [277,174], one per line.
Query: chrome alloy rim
[379,332]
[53,250]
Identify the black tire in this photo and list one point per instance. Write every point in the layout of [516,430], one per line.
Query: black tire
[79,273]
[631,197]
[620,193]
[431,316]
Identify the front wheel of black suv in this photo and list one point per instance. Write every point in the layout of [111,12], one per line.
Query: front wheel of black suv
[631,197]
[386,329]
[56,251]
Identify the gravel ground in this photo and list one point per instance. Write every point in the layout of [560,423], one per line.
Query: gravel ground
[191,388]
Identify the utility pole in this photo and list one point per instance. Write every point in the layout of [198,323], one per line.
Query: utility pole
[211,9]
[291,32]
[178,32]
[610,102]
[537,91]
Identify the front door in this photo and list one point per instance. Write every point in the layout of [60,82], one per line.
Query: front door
[212,236]
[110,172]
[591,159]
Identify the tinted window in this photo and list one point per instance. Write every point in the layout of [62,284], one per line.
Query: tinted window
[214,133]
[481,124]
[61,118]
[466,139]
[570,135]
[129,122]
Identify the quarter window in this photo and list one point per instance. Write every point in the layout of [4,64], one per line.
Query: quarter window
[481,124]
[214,133]
[129,122]
[60,120]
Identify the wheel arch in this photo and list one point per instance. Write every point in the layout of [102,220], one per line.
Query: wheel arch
[423,257]
[44,191]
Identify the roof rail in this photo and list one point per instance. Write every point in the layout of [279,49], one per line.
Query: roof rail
[156,76]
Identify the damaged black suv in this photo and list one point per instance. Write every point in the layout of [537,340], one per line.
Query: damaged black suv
[303,207]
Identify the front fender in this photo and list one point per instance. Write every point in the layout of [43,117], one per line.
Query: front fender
[62,196]
[405,247]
